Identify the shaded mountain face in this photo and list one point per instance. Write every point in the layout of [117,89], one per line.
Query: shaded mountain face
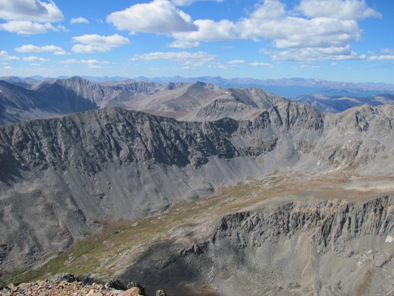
[50,99]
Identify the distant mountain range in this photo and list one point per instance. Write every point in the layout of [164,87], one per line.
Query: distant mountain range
[287,87]
[185,99]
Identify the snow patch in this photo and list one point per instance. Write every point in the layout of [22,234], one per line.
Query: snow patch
[389,239]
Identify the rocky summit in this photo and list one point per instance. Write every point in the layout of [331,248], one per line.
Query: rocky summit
[194,189]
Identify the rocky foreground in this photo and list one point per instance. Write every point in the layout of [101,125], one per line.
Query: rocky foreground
[68,285]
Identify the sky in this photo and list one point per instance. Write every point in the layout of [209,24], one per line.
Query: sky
[337,40]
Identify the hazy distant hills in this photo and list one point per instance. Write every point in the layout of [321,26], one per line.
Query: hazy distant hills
[34,98]
[186,101]
[287,87]
[341,103]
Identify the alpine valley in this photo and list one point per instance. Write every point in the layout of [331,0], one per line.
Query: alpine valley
[195,188]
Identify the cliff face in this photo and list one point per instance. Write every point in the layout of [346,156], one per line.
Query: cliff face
[294,248]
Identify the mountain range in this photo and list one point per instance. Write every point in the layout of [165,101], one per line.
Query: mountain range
[26,99]
[163,158]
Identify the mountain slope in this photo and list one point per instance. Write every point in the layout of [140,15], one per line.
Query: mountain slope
[46,100]
[304,246]
[64,177]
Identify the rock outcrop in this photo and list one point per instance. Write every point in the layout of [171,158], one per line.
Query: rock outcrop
[330,247]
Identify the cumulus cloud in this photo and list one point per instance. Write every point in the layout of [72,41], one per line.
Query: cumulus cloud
[313,54]
[27,27]
[260,64]
[91,63]
[209,30]
[27,17]
[184,44]
[338,9]
[79,20]
[383,57]
[234,62]
[298,30]
[159,16]
[56,50]
[30,10]
[34,59]
[308,66]
[4,56]
[386,54]
[96,43]
[187,58]
[190,2]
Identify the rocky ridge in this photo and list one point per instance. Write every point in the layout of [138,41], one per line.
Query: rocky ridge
[110,164]
[282,248]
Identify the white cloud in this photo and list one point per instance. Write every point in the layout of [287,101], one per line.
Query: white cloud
[184,44]
[383,57]
[47,48]
[26,27]
[79,20]
[322,34]
[337,9]
[234,62]
[94,39]
[27,17]
[92,63]
[261,64]
[4,56]
[313,54]
[387,51]
[270,21]
[217,66]
[209,30]
[62,28]
[386,54]
[159,16]
[86,48]
[190,2]
[187,58]
[30,10]
[34,59]
[308,66]
[96,43]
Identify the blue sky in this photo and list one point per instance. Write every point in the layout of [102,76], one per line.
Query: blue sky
[340,40]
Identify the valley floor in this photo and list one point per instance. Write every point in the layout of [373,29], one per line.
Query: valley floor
[120,244]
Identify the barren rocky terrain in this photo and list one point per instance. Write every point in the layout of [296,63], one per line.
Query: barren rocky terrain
[231,192]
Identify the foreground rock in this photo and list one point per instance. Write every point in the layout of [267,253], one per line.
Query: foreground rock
[70,287]
[41,288]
